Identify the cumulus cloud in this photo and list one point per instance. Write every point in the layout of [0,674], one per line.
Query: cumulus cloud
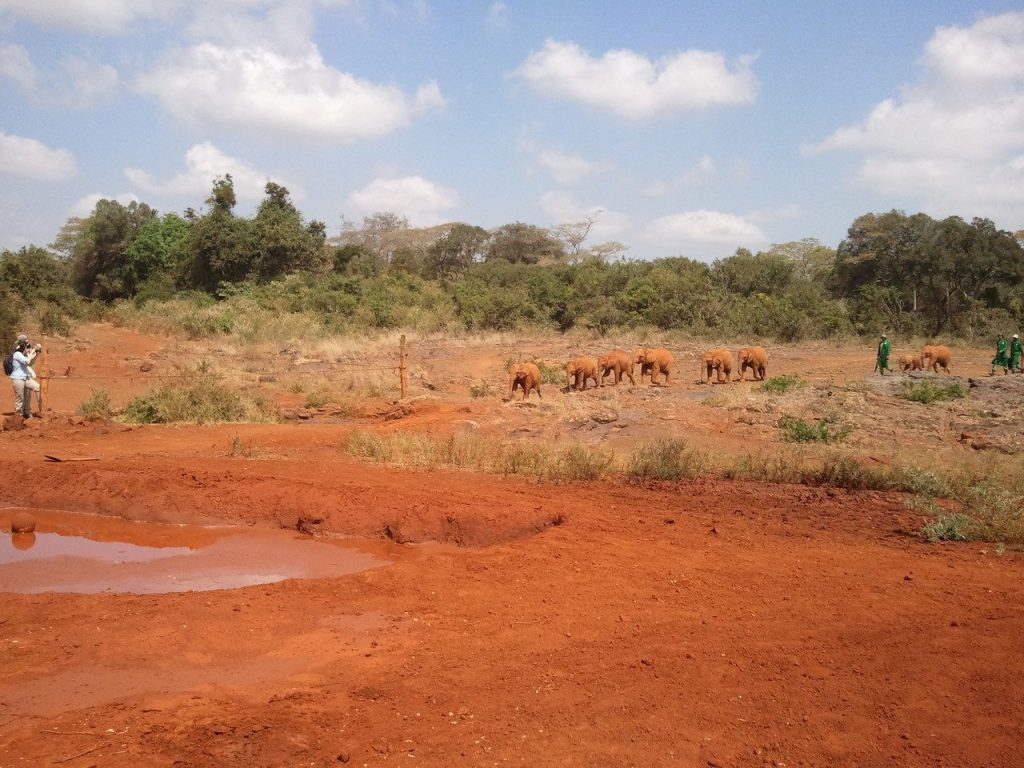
[563,208]
[16,65]
[31,159]
[952,141]
[629,84]
[100,17]
[204,163]
[704,227]
[421,201]
[564,166]
[84,207]
[259,89]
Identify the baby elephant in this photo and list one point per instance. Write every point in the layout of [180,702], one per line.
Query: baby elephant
[579,370]
[911,363]
[618,364]
[654,361]
[717,360]
[935,356]
[754,358]
[526,376]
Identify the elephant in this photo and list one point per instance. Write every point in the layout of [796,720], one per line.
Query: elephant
[910,363]
[579,370]
[718,360]
[938,355]
[618,364]
[525,375]
[655,361]
[754,358]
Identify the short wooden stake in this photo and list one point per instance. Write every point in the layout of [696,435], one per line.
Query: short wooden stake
[403,368]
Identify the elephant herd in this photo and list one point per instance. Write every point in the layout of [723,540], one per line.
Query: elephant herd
[931,357]
[655,362]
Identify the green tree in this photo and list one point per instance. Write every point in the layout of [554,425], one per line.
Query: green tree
[283,242]
[220,245]
[100,268]
[454,252]
[520,243]
[157,251]
[33,273]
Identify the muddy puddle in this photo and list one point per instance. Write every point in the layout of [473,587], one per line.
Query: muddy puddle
[71,552]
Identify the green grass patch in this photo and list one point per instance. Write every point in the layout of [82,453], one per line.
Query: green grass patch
[931,392]
[665,460]
[780,385]
[480,389]
[200,402]
[97,406]
[796,430]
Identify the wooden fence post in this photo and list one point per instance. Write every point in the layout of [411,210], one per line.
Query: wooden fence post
[403,368]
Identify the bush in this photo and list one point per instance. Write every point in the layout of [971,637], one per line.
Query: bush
[779,385]
[98,404]
[479,389]
[665,460]
[799,431]
[930,392]
[947,527]
[195,402]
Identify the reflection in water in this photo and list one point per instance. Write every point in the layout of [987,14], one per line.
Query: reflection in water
[23,541]
[89,553]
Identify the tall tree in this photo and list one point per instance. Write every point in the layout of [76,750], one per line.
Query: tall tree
[220,245]
[453,253]
[100,269]
[520,243]
[284,243]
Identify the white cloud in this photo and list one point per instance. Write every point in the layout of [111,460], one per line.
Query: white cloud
[86,83]
[704,227]
[497,17]
[632,86]
[988,52]
[261,90]
[203,163]
[80,82]
[419,200]
[84,207]
[102,17]
[563,208]
[32,159]
[16,65]
[564,166]
[950,143]
[702,171]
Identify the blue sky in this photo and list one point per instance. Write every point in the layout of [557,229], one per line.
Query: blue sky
[680,128]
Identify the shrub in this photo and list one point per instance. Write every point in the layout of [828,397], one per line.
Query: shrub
[317,399]
[930,392]
[54,322]
[665,460]
[97,405]
[799,431]
[779,385]
[479,389]
[947,527]
[196,402]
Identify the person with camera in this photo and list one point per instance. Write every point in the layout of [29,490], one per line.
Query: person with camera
[23,378]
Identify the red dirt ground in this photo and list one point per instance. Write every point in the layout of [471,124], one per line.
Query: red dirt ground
[699,624]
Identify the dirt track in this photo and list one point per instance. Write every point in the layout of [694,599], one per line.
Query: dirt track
[705,624]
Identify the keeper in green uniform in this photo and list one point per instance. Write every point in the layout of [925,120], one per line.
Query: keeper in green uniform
[1016,348]
[882,363]
[1002,356]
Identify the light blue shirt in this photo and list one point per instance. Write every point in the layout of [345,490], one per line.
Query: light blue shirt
[21,363]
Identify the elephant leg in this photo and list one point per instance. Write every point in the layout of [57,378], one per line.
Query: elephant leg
[631,379]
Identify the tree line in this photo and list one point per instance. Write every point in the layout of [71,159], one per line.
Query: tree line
[906,274]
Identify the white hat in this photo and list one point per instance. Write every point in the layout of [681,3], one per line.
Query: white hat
[1016,336]
[22,337]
